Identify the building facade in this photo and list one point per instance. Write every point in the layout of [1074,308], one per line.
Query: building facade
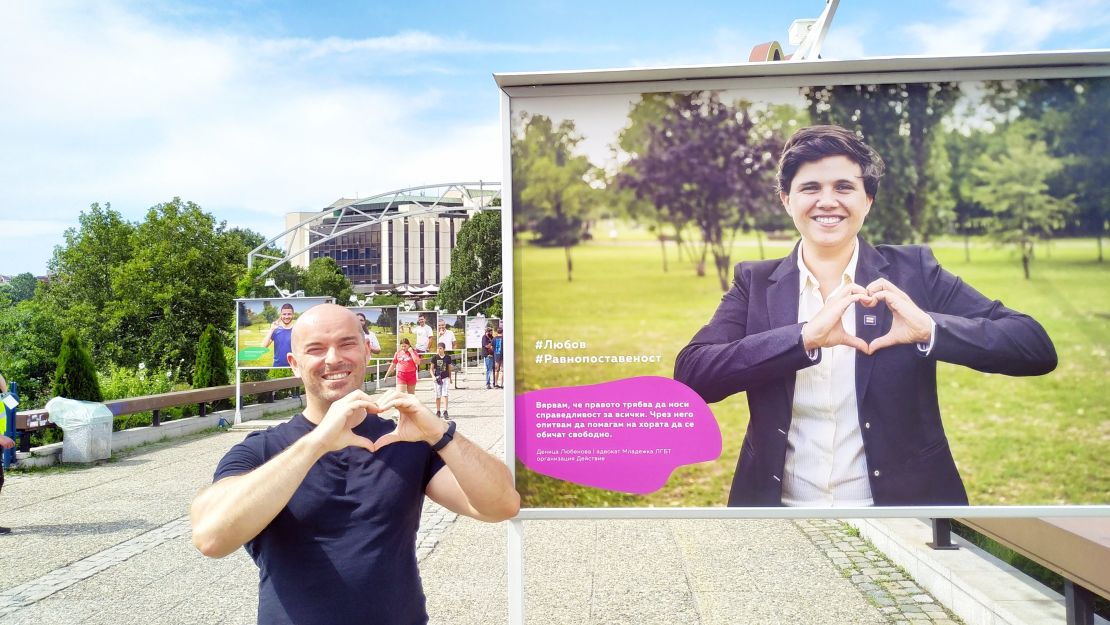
[407,240]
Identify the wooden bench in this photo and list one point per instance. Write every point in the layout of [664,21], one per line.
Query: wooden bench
[1077,549]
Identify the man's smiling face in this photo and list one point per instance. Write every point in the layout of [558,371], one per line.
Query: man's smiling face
[827,202]
[329,352]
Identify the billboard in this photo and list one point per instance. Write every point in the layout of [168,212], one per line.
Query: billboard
[379,324]
[264,328]
[419,327]
[451,331]
[476,328]
[659,351]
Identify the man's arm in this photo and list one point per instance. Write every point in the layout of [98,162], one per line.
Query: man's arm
[474,482]
[270,335]
[232,511]
[3,384]
[227,514]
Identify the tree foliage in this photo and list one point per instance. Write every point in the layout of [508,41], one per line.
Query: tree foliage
[21,288]
[30,338]
[552,196]
[475,262]
[211,366]
[1072,117]
[75,376]
[134,292]
[1013,187]
[703,164]
[324,278]
[899,121]
[180,277]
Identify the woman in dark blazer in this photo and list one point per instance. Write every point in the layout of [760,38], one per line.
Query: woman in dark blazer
[818,435]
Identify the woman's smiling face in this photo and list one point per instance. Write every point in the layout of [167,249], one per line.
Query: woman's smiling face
[827,202]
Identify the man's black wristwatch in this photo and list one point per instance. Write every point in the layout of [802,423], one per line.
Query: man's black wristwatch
[448,436]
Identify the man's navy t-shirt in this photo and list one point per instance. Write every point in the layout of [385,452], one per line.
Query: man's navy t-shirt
[344,548]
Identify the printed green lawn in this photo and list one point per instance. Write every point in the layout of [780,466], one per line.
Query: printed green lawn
[1016,440]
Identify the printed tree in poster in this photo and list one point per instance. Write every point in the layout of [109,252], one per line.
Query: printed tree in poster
[704,162]
[1013,187]
[899,121]
[552,196]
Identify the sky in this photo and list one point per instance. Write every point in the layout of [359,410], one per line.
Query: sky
[253,109]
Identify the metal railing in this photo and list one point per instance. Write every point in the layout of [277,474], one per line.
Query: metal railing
[27,421]
[1075,549]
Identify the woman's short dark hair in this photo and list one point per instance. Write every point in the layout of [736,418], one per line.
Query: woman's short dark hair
[814,143]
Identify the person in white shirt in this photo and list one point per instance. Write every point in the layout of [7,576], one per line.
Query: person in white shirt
[371,338]
[423,333]
[837,344]
[445,336]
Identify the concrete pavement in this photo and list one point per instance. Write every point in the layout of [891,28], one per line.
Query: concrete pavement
[110,544]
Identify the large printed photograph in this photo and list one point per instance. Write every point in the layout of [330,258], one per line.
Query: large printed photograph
[379,325]
[264,330]
[660,293]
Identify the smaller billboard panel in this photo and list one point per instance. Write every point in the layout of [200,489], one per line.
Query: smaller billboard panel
[264,329]
[379,324]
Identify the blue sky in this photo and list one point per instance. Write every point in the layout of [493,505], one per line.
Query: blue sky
[253,109]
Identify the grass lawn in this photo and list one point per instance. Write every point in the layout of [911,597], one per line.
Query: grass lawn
[1026,441]
[253,336]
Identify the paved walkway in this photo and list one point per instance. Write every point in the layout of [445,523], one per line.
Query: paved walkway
[110,544]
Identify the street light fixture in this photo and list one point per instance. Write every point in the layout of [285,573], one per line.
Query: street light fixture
[282,292]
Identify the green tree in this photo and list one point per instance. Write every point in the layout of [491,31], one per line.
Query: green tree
[386,299]
[1013,186]
[899,121]
[75,377]
[964,148]
[211,365]
[552,195]
[704,162]
[30,337]
[325,278]
[80,290]
[22,287]
[269,312]
[1072,114]
[180,277]
[475,262]
[633,143]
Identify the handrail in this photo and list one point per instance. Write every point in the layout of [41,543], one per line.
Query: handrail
[40,417]
[1075,549]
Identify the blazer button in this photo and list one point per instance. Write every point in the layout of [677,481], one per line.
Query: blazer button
[867,425]
[876,473]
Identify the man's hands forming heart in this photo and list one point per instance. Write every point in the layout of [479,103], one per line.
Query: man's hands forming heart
[826,328]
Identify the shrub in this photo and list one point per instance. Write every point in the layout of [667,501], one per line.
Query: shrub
[211,366]
[75,376]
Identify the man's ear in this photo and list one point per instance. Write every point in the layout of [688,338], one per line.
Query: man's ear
[292,360]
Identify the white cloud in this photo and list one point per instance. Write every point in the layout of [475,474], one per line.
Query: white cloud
[1005,25]
[106,105]
[408,42]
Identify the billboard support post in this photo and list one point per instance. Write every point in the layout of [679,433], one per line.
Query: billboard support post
[515,572]
[238,396]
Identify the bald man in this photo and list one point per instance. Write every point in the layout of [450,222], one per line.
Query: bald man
[328,504]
